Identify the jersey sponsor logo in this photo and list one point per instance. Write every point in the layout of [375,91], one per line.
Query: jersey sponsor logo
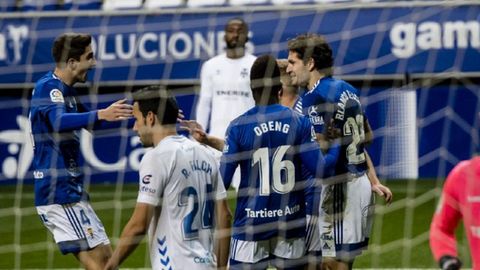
[315,118]
[205,260]
[269,213]
[37,174]
[56,96]
[147,189]
[146,179]
[232,93]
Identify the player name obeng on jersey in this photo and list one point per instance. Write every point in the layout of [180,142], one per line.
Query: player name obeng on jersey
[268,213]
[271,126]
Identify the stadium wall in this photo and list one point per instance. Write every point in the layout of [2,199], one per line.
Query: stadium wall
[411,61]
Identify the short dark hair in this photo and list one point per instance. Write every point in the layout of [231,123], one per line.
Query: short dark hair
[240,20]
[265,80]
[316,47]
[70,45]
[159,101]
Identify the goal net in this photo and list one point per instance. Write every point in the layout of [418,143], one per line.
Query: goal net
[414,63]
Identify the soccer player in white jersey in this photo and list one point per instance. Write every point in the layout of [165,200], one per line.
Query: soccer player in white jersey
[346,207]
[181,194]
[225,83]
[56,117]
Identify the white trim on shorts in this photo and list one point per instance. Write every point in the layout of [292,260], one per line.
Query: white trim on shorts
[346,217]
[254,251]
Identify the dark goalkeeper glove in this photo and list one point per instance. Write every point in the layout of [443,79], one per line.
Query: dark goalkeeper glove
[448,262]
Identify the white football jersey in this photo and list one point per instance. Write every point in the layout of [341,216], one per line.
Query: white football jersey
[181,178]
[225,92]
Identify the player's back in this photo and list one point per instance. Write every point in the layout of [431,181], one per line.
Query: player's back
[188,174]
[338,100]
[267,142]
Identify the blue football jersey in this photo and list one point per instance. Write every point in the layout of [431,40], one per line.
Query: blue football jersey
[56,119]
[336,99]
[270,143]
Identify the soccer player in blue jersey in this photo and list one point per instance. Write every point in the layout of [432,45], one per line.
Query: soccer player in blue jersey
[346,206]
[56,116]
[270,143]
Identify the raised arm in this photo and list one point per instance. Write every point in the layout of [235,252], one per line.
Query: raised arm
[64,121]
[198,133]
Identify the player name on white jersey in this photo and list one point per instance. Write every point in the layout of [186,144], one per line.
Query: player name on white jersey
[271,126]
[264,213]
[198,165]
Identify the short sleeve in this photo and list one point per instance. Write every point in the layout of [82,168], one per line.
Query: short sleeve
[153,177]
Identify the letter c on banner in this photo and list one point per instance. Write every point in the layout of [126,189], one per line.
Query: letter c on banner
[86,146]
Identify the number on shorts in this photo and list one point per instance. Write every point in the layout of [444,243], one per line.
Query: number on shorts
[84,218]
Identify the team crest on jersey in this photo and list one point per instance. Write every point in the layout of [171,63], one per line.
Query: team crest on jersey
[244,73]
[56,96]
[146,179]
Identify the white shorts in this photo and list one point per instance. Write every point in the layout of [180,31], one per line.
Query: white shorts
[346,218]
[75,227]
[254,251]
[313,234]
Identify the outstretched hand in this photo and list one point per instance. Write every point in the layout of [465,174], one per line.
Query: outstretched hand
[117,111]
[195,130]
[383,191]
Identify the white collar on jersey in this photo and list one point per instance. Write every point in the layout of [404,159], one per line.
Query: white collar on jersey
[314,86]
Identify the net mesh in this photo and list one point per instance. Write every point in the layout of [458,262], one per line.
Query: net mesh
[424,120]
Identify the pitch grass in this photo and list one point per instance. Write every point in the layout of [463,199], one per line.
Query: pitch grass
[400,234]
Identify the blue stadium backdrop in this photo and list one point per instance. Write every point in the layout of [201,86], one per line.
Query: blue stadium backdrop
[142,47]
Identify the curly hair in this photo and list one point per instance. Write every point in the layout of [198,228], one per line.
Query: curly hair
[316,47]
[70,45]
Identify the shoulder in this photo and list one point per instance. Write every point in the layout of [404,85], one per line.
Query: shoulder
[459,174]
[250,58]
[344,85]
[218,59]
[47,84]
[242,120]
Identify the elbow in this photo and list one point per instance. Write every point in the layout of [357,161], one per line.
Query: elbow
[138,228]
